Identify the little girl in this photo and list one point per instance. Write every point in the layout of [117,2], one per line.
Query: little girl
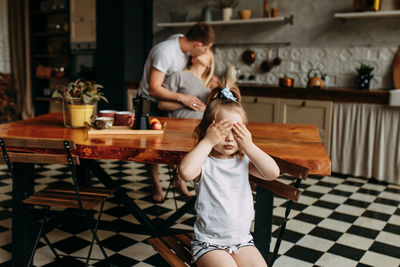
[219,165]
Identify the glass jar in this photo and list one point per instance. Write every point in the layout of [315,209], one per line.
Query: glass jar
[266,9]
[274,8]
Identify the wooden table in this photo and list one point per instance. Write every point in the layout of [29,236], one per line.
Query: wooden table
[300,144]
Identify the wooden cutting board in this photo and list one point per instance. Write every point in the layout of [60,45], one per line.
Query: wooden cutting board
[122,130]
[396,71]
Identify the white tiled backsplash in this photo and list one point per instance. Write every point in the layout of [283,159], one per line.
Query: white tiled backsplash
[339,64]
[4,46]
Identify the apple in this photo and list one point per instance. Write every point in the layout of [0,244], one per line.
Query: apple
[156,125]
[154,120]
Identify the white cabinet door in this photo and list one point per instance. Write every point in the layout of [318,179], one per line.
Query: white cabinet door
[261,109]
[83,21]
[314,112]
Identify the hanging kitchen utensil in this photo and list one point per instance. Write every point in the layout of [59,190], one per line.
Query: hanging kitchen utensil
[266,65]
[248,57]
[277,60]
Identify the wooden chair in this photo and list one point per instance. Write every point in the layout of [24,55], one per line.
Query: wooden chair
[84,200]
[176,249]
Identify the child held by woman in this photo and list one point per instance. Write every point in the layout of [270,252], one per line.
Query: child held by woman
[220,165]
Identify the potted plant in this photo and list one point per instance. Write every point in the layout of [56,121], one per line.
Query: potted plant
[364,76]
[79,100]
[227,9]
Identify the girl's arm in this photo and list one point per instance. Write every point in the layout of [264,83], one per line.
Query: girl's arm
[261,165]
[190,166]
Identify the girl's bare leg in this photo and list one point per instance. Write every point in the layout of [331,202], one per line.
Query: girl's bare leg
[216,258]
[249,256]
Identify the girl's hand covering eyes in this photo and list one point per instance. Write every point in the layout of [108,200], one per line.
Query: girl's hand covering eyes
[218,131]
[242,135]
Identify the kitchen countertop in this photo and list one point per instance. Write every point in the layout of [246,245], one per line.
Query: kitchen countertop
[378,96]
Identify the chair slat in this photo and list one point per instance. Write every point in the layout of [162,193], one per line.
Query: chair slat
[58,203]
[185,239]
[36,143]
[41,158]
[279,188]
[166,253]
[95,191]
[179,250]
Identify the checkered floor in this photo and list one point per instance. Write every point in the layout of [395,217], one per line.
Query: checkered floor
[339,221]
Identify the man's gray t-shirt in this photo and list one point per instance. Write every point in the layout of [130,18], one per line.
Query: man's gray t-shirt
[185,82]
[166,57]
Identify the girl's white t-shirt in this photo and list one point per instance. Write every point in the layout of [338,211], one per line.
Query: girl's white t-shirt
[224,202]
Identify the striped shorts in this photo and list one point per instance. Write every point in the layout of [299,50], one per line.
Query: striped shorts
[199,248]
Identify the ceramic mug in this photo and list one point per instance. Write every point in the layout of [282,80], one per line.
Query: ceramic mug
[102,122]
[124,118]
[107,113]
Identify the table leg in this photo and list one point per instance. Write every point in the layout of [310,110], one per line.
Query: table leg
[121,195]
[134,209]
[23,228]
[83,173]
[263,220]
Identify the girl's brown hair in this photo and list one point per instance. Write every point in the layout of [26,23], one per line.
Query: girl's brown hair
[216,102]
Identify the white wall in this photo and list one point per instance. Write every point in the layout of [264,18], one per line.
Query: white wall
[317,40]
[4,43]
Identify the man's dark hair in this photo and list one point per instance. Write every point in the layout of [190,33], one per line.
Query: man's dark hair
[201,32]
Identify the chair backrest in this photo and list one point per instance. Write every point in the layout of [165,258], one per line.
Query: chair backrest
[45,151]
[280,188]
[292,193]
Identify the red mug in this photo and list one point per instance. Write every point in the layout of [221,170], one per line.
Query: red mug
[124,118]
[107,113]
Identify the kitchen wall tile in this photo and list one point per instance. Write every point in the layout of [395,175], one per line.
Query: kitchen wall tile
[373,54]
[339,64]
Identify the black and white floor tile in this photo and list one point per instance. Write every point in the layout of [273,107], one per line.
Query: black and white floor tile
[339,221]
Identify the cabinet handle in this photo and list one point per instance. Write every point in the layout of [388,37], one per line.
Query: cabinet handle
[303,104]
[255,100]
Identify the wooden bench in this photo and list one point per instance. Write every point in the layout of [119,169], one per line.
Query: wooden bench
[176,249]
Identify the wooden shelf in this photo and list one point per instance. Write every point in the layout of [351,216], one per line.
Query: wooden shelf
[280,19]
[368,14]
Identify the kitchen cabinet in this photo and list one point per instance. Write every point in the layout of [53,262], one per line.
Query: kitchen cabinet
[297,111]
[261,109]
[314,112]
[83,21]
